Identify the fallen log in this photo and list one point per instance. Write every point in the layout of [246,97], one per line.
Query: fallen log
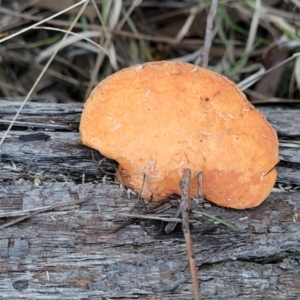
[69,252]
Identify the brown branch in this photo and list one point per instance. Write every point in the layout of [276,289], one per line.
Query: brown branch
[171,225]
[151,217]
[124,224]
[208,34]
[134,218]
[185,207]
[44,209]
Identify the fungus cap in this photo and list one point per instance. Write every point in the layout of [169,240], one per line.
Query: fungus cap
[159,118]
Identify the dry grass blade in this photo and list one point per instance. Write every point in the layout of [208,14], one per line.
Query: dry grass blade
[260,99]
[289,145]
[296,2]
[253,30]
[43,72]
[246,83]
[70,40]
[185,28]
[42,21]
[151,217]
[38,211]
[113,13]
[297,72]
[133,5]
[253,26]
[257,77]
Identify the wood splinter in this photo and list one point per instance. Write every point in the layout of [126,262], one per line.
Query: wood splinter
[184,208]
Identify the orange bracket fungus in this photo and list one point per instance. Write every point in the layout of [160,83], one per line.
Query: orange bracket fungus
[157,119]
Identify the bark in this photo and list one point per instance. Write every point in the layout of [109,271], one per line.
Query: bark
[69,252]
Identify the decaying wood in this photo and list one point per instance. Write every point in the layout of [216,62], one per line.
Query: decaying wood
[69,253]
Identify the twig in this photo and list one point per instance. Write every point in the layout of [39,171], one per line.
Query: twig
[185,207]
[25,171]
[171,225]
[124,224]
[150,217]
[208,34]
[157,208]
[44,209]
[139,199]
[98,164]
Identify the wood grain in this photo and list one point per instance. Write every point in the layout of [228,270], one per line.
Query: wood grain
[69,253]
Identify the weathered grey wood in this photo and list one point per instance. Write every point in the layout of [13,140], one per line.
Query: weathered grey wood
[257,261]
[62,157]
[68,253]
[66,117]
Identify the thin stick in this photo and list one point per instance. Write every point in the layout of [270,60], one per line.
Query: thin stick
[44,209]
[185,206]
[151,217]
[25,171]
[171,225]
[130,220]
[208,34]
[124,224]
